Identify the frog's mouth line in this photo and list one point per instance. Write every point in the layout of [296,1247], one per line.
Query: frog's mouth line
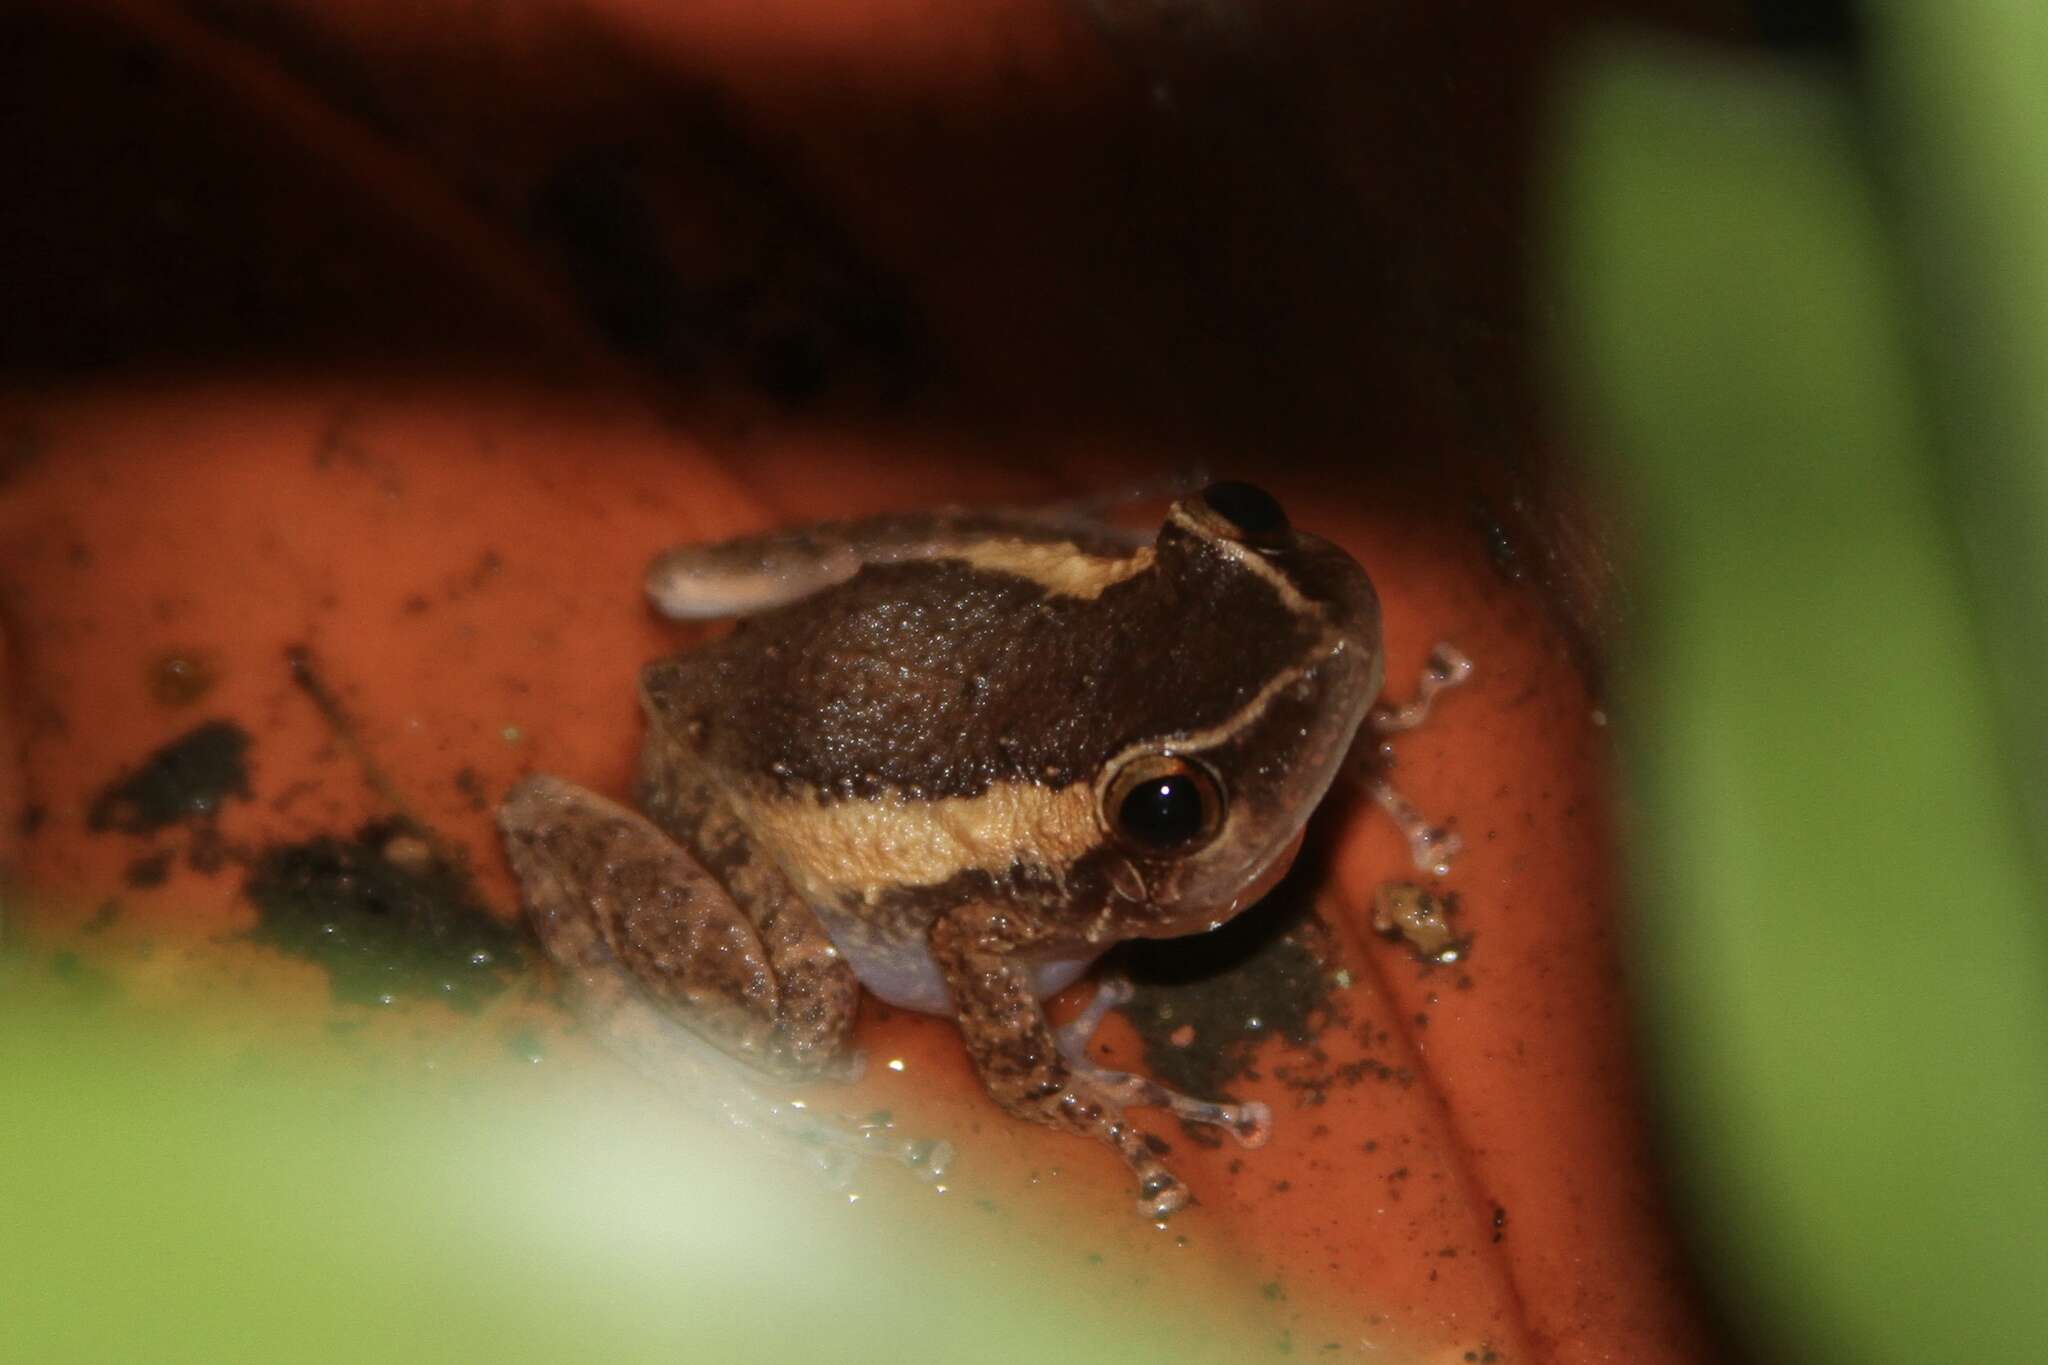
[1255,885]
[1276,868]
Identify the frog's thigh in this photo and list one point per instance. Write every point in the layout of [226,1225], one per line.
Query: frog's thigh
[818,988]
[620,905]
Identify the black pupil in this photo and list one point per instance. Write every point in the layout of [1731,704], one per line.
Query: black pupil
[1164,812]
[1248,507]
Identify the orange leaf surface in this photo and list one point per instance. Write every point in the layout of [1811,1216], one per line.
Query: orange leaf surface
[786,298]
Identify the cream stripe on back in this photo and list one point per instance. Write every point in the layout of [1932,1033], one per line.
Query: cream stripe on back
[1062,569]
[1251,560]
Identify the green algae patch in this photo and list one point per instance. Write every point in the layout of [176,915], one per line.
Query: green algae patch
[388,913]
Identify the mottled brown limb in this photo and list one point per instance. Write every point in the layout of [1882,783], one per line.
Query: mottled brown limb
[1018,1058]
[818,991]
[560,864]
[622,908]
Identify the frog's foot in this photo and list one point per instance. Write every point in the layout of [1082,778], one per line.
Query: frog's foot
[711,1083]
[1446,668]
[839,1143]
[749,574]
[1431,847]
[1160,1192]
[708,1081]
[835,1144]
[1111,992]
[1251,1123]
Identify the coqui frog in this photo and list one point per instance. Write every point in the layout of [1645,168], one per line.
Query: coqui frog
[952,758]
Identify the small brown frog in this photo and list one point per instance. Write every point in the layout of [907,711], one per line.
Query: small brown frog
[953,758]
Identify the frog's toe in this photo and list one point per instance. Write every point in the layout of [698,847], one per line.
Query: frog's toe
[1161,1195]
[850,1066]
[1432,848]
[1253,1124]
[929,1160]
[835,1166]
[1074,1036]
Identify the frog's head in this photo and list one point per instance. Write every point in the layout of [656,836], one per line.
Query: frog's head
[1200,822]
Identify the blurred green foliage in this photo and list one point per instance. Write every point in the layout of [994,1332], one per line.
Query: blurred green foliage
[178,1188]
[1836,506]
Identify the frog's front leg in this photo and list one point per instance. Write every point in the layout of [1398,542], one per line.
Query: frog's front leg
[1250,1123]
[625,911]
[1430,846]
[1025,1069]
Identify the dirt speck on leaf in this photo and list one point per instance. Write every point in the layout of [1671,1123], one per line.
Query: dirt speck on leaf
[181,677]
[1203,1003]
[187,778]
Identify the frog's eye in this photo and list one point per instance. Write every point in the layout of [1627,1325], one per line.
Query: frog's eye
[1250,510]
[1158,803]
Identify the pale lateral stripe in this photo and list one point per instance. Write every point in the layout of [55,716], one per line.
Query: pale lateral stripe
[893,840]
[1060,568]
[1195,741]
[1251,559]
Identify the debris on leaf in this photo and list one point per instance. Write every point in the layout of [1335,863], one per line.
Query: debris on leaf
[1407,911]
[187,778]
[180,677]
[1203,1003]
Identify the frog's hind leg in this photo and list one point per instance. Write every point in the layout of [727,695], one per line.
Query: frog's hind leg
[664,968]
[624,908]
[818,992]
